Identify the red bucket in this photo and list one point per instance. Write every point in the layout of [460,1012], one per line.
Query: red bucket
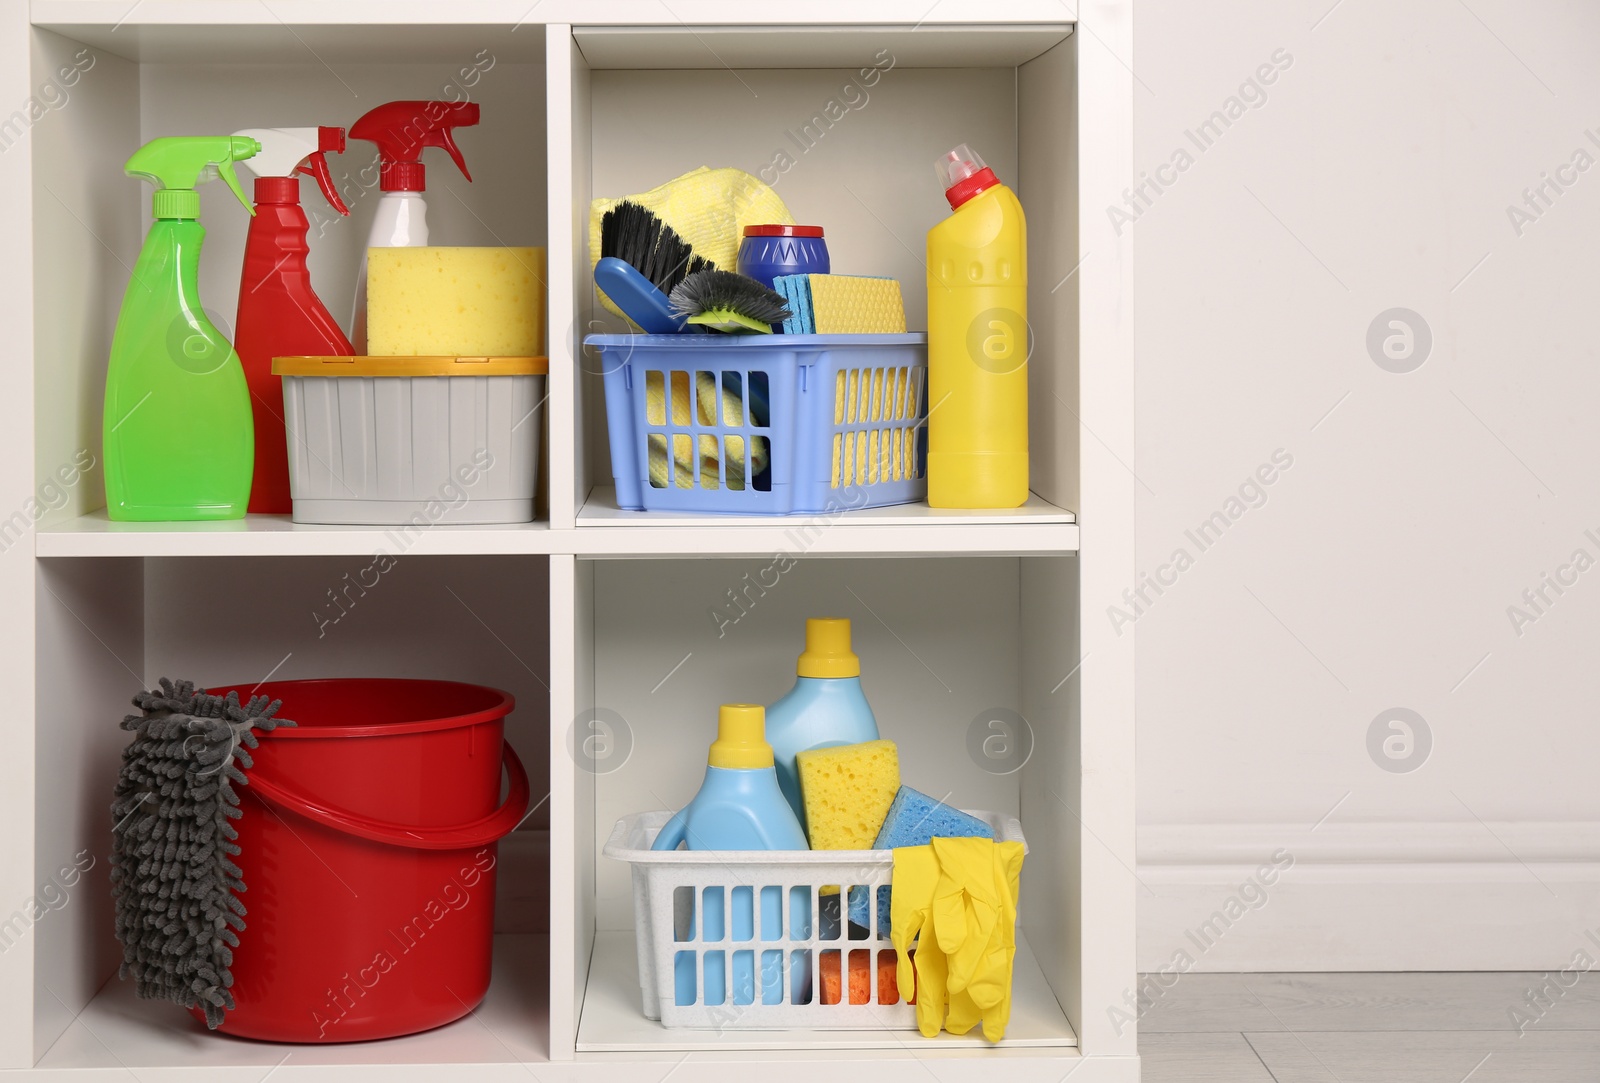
[369,837]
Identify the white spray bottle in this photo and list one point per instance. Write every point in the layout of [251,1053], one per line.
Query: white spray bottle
[401,130]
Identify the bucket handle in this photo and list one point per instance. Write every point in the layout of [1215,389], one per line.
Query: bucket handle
[480,832]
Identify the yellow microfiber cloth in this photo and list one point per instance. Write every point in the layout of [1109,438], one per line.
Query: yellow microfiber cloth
[847,791]
[957,898]
[709,452]
[708,208]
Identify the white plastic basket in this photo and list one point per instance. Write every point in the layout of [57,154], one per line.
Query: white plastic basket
[758,924]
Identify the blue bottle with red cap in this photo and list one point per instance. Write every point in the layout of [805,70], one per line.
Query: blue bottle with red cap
[772,250]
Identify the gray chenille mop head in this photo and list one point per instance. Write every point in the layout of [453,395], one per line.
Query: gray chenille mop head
[172,876]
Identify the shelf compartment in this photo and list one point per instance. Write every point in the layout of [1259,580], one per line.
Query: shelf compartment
[960,655]
[614,1022]
[89,219]
[844,129]
[107,628]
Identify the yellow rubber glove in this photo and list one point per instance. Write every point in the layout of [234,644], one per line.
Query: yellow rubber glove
[957,898]
[986,996]
[916,872]
[966,904]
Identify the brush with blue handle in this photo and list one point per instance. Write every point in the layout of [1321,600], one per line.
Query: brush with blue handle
[642,260]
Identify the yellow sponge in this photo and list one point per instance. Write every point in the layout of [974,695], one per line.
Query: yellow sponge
[847,792]
[847,305]
[469,302]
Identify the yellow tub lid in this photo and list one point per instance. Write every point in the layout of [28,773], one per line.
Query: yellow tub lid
[410,366]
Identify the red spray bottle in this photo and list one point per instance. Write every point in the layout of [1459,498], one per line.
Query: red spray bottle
[279,314]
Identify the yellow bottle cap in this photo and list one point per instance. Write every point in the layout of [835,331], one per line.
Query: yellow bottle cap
[741,737]
[828,652]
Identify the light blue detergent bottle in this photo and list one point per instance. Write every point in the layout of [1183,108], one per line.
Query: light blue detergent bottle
[739,807]
[826,706]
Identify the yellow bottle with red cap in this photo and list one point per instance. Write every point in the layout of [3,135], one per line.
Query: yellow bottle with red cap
[978,341]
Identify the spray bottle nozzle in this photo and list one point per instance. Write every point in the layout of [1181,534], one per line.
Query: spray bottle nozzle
[402,129]
[288,152]
[178,163]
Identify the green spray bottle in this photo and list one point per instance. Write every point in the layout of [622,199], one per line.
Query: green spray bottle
[178,438]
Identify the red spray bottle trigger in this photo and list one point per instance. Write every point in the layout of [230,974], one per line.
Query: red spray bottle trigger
[316,165]
[402,129]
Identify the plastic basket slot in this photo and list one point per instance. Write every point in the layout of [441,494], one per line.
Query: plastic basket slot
[830,969]
[761,448]
[707,388]
[877,395]
[771,925]
[656,459]
[655,397]
[860,896]
[744,977]
[680,398]
[838,397]
[682,478]
[713,467]
[772,976]
[685,981]
[683,913]
[800,913]
[713,914]
[874,462]
[800,983]
[888,958]
[714,989]
[734,448]
[759,393]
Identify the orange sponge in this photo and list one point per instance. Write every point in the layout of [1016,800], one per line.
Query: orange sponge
[860,982]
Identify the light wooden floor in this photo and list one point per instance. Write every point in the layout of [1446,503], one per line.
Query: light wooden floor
[1371,1028]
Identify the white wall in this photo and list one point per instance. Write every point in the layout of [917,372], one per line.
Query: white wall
[1418,507]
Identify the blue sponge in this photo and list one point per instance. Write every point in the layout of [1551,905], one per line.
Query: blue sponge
[914,819]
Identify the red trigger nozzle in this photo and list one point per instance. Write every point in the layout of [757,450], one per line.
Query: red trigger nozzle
[316,165]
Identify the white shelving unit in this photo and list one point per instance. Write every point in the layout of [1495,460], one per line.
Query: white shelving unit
[650,619]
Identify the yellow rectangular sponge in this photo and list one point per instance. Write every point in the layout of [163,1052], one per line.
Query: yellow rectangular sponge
[455,302]
[847,792]
[847,305]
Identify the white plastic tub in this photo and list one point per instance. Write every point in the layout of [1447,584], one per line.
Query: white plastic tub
[769,970]
[382,441]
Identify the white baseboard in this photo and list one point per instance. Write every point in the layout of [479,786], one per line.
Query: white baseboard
[1369,896]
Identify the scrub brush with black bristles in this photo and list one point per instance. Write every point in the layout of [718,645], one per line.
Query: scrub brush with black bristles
[725,301]
[641,260]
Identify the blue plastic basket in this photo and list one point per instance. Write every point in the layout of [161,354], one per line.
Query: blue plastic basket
[827,422]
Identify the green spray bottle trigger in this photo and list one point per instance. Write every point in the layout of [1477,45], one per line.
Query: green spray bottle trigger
[178,164]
